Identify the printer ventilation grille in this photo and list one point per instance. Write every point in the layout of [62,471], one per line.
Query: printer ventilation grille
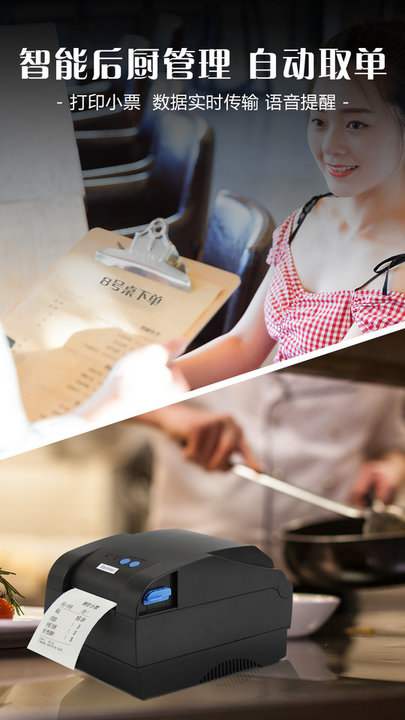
[229,667]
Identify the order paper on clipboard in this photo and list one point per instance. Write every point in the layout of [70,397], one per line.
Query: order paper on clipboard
[84,316]
[66,624]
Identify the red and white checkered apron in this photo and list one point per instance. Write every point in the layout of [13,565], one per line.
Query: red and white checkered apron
[303,321]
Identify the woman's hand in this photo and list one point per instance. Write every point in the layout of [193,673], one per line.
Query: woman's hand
[140,380]
[208,438]
[379,478]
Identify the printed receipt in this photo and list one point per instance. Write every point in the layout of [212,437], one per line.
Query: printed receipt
[66,624]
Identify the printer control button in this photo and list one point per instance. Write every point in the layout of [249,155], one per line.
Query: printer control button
[134,563]
[125,561]
[156,595]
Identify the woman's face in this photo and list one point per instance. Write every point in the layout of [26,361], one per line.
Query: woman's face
[359,146]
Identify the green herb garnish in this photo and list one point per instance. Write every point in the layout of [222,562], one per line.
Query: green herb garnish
[10,591]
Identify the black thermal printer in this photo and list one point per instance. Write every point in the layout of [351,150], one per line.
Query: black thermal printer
[190,608]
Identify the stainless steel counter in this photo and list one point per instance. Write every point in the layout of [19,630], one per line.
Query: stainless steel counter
[353,668]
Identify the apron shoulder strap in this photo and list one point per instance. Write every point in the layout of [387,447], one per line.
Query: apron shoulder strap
[384,267]
[304,212]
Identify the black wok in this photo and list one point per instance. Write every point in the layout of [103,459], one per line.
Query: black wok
[334,555]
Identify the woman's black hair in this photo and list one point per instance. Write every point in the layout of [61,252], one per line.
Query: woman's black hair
[390,36]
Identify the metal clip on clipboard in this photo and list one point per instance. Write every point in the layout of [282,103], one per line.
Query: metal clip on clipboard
[151,254]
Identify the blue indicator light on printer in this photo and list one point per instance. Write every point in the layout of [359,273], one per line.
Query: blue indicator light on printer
[125,561]
[156,595]
[134,563]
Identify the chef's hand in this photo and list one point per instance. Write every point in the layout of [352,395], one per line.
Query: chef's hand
[379,479]
[140,380]
[208,438]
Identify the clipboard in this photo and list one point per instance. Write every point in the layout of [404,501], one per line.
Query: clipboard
[84,315]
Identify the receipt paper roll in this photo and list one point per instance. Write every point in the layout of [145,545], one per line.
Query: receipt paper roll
[66,624]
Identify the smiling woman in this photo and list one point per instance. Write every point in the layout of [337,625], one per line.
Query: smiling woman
[340,273]
[360,143]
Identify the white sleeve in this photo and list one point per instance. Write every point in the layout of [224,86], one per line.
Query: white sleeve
[13,420]
[389,431]
[17,434]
